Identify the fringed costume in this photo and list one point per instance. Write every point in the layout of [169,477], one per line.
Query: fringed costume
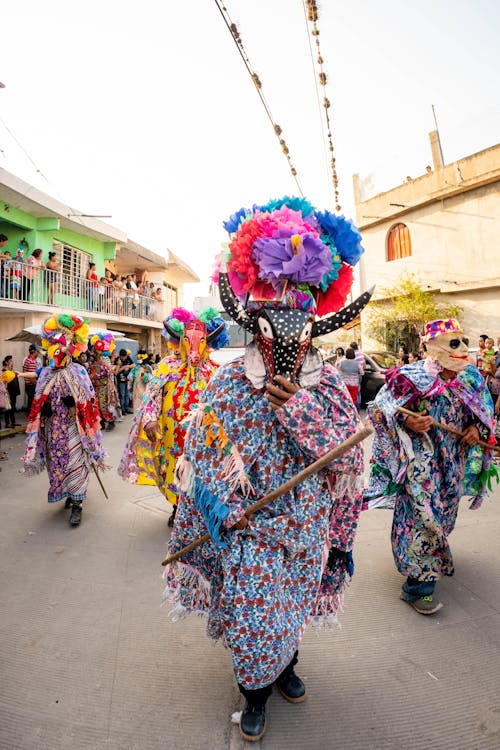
[423,475]
[263,419]
[63,432]
[103,378]
[171,394]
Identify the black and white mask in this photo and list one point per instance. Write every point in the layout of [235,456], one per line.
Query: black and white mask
[283,338]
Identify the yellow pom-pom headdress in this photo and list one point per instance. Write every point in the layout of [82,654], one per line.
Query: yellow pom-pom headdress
[70,331]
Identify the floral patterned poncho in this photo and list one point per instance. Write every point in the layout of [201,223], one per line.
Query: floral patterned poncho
[171,394]
[265,584]
[66,439]
[425,475]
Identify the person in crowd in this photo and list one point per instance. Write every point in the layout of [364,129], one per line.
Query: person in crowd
[481,342]
[413,357]
[423,469]
[139,376]
[92,283]
[360,359]
[13,389]
[63,432]
[351,373]
[156,295]
[102,377]
[83,360]
[488,355]
[101,294]
[31,364]
[4,258]
[30,271]
[156,439]
[51,270]
[123,366]
[15,271]
[265,417]
[339,354]
[422,350]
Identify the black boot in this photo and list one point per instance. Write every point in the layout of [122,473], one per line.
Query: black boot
[111,426]
[172,518]
[289,685]
[253,723]
[68,503]
[76,514]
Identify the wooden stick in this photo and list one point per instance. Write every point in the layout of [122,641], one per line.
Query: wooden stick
[446,427]
[313,468]
[99,480]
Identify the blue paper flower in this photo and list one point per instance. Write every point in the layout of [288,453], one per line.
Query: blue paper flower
[223,338]
[343,234]
[234,221]
[296,204]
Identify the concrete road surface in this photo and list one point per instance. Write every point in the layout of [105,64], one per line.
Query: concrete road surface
[90,661]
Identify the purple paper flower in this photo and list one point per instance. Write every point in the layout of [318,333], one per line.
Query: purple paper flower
[300,258]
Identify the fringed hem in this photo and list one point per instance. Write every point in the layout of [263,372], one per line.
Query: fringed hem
[78,498]
[32,470]
[186,590]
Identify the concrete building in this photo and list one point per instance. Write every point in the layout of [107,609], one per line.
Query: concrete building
[443,226]
[31,219]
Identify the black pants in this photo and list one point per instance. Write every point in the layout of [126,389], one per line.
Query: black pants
[259,697]
[9,417]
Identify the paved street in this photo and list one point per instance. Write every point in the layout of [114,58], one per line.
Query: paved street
[90,660]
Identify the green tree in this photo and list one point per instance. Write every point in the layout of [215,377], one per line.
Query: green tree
[401,312]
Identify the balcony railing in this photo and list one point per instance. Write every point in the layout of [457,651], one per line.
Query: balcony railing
[25,283]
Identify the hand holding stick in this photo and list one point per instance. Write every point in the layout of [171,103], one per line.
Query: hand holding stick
[313,468]
[447,428]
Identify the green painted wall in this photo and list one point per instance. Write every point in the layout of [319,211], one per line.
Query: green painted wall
[41,233]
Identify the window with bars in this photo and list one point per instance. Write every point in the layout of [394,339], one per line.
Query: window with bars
[74,265]
[398,242]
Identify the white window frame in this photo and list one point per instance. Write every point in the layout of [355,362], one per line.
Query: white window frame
[74,265]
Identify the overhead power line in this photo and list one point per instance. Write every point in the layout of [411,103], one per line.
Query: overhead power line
[311,15]
[234,31]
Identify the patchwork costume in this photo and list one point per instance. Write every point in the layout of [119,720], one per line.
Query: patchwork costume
[63,432]
[171,394]
[424,474]
[262,581]
[103,378]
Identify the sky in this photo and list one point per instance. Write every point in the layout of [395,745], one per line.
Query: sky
[144,111]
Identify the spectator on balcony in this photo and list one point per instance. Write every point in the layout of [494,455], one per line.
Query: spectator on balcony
[157,295]
[51,270]
[92,282]
[16,274]
[4,257]
[31,269]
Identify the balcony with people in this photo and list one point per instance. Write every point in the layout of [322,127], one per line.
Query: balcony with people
[37,283]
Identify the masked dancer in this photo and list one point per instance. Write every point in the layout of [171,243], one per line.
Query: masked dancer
[284,277]
[424,470]
[63,432]
[156,439]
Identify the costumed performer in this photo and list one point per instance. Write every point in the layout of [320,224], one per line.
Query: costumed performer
[423,470]
[139,377]
[156,439]
[63,432]
[103,379]
[265,417]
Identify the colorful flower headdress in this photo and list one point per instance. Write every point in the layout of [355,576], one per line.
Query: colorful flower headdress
[180,317]
[438,327]
[103,342]
[287,252]
[70,331]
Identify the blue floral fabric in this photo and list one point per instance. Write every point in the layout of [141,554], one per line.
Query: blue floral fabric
[425,475]
[261,590]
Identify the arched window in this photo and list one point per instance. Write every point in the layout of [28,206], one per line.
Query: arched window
[398,242]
